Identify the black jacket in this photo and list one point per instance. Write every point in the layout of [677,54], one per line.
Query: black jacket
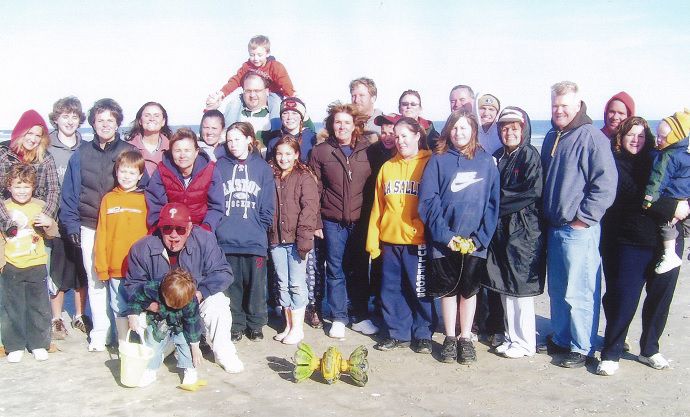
[516,257]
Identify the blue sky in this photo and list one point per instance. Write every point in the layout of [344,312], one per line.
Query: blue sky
[176,52]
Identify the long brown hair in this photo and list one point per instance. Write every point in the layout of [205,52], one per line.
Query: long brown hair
[138,129]
[413,126]
[468,150]
[247,130]
[292,142]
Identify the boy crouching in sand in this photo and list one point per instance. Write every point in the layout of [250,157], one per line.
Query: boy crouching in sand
[172,313]
[25,312]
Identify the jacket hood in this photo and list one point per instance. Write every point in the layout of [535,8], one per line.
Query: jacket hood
[222,152]
[28,119]
[526,131]
[423,153]
[580,119]
[629,103]
[679,122]
[199,163]
[54,141]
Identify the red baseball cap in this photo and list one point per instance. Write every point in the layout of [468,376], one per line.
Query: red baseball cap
[383,119]
[174,214]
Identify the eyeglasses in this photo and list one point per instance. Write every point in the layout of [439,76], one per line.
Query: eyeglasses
[408,104]
[167,230]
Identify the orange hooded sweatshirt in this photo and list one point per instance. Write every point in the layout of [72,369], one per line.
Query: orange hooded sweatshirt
[121,222]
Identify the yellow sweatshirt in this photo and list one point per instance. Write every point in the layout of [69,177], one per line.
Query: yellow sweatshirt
[26,248]
[394,217]
[121,222]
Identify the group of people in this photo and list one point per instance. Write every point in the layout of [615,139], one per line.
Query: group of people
[178,236]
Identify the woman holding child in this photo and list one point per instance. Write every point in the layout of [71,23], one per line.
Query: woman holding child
[629,247]
[29,145]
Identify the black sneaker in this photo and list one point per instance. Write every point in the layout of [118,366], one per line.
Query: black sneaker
[255,335]
[236,335]
[553,349]
[449,353]
[422,346]
[572,360]
[466,352]
[391,344]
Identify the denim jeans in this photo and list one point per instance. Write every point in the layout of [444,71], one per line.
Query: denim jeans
[291,273]
[184,352]
[118,296]
[574,272]
[346,271]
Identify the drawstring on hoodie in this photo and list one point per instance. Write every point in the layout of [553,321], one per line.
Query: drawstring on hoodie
[246,177]
[555,143]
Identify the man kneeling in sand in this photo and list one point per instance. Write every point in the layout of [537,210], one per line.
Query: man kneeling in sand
[179,244]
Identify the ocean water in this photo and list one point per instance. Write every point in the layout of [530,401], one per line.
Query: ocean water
[539,129]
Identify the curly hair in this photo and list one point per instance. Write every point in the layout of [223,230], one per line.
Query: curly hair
[358,118]
[625,127]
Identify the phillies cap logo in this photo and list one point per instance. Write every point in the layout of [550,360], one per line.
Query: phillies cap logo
[172,212]
[291,104]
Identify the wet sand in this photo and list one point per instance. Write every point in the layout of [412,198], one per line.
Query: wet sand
[75,383]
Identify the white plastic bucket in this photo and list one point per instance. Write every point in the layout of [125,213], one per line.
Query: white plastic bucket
[134,358]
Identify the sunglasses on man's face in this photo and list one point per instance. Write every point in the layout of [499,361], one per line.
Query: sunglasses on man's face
[167,230]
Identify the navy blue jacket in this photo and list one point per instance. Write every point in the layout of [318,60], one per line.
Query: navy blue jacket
[200,256]
[248,190]
[88,178]
[459,197]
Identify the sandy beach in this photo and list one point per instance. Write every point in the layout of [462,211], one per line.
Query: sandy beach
[76,383]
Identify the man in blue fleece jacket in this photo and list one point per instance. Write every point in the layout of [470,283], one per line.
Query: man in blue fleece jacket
[580,184]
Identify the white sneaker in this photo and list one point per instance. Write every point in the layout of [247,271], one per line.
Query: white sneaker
[96,347]
[337,330]
[231,365]
[40,354]
[667,262]
[190,376]
[656,361]
[502,347]
[365,327]
[15,356]
[147,378]
[607,368]
[515,352]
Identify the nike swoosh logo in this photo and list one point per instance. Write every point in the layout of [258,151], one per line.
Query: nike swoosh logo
[463,180]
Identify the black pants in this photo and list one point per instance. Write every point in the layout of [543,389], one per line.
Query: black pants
[247,292]
[627,269]
[25,314]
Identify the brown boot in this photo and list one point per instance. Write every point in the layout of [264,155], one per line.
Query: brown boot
[311,317]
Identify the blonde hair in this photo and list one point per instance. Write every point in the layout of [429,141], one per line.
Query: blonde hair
[260,41]
[37,154]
